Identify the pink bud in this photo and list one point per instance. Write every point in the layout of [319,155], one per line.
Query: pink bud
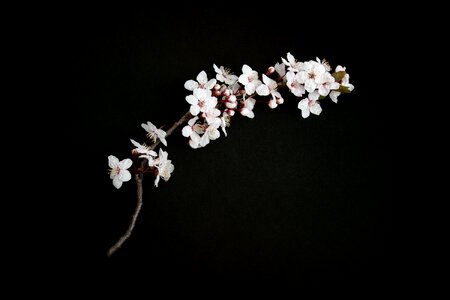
[273,104]
[270,70]
[230,112]
[242,91]
[244,111]
[232,98]
[231,104]
[216,87]
[226,92]
[216,93]
[280,100]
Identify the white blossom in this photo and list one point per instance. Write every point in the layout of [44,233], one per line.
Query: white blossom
[211,133]
[224,75]
[249,79]
[154,133]
[270,87]
[294,85]
[327,83]
[164,166]
[280,69]
[247,109]
[193,130]
[145,152]
[201,83]
[310,105]
[118,172]
[292,63]
[201,101]
[311,75]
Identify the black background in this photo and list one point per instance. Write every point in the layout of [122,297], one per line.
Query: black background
[281,198]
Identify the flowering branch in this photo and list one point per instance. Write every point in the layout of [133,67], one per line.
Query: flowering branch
[213,103]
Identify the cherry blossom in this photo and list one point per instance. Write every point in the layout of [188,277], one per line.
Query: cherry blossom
[292,63]
[201,83]
[164,166]
[247,109]
[311,75]
[294,85]
[249,79]
[310,105]
[224,75]
[145,152]
[201,101]
[193,130]
[118,172]
[327,83]
[155,133]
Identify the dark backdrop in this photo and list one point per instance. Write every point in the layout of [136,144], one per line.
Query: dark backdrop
[282,197]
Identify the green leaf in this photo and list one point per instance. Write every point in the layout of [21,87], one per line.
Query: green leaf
[344,89]
[338,75]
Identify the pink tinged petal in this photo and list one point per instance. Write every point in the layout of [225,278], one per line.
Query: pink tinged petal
[263,90]
[280,69]
[250,89]
[125,164]
[334,95]
[190,85]
[250,103]
[202,94]
[305,113]
[202,78]
[285,62]
[218,71]
[244,111]
[323,91]
[191,99]
[314,95]
[290,76]
[273,104]
[246,69]
[220,77]
[210,84]
[193,144]
[290,58]
[303,104]
[192,121]
[194,110]
[310,86]
[186,131]
[302,77]
[316,108]
[204,140]
[163,140]
[334,86]
[243,79]
[124,175]
[117,182]
[113,162]
[266,79]
[251,114]
[195,137]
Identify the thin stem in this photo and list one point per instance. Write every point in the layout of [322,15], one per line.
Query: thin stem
[127,234]
[139,177]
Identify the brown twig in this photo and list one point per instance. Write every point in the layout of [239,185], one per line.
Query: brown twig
[139,177]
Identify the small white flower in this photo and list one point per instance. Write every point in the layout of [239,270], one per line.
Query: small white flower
[145,152]
[201,83]
[154,133]
[211,133]
[118,172]
[280,69]
[193,131]
[327,83]
[310,105]
[201,101]
[164,166]
[247,110]
[294,86]
[292,63]
[311,75]
[346,79]
[224,75]
[270,87]
[249,79]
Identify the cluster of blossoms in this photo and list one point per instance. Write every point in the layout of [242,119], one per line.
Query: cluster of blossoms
[215,101]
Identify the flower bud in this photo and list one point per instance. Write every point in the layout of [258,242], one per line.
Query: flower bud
[216,87]
[270,70]
[226,92]
[244,111]
[216,93]
[231,104]
[272,104]
[232,98]
[280,101]
[230,112]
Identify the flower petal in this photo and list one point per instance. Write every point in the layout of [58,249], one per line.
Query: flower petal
[316,109]
[194,110]
[246,69]
[191,99]
[202,78]
[190,85]
[117,182]
[125,164]
[263,90]
[186,131]
[333,95]
[113,161]
[124,175]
